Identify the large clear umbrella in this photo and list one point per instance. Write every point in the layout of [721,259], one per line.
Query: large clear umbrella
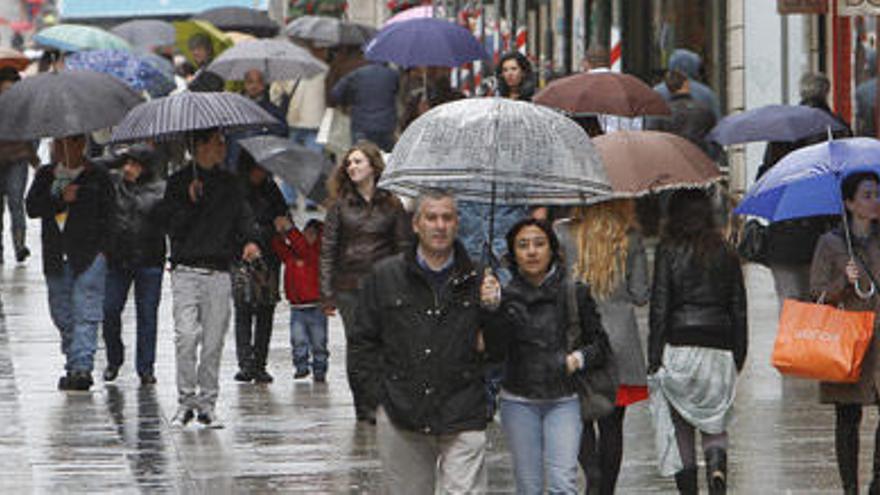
[277,60]
[495,150]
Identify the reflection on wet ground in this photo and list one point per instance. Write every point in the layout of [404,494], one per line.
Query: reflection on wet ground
[302,437]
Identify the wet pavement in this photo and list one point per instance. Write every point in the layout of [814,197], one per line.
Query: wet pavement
[299,437]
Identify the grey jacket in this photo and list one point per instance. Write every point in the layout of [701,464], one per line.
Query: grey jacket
[618,310]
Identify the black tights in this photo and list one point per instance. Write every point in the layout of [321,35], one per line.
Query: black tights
[600,458]
[846,445]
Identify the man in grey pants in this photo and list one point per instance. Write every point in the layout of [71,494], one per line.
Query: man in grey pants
[209,224]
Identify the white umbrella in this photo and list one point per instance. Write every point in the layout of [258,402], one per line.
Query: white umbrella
[277,60]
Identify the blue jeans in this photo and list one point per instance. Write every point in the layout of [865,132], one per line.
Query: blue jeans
[543,435]
[13,179]
[308,333]
[76,305]
[304,137]
[147,293]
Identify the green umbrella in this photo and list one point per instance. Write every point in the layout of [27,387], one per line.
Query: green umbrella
[188,29]
[76,37]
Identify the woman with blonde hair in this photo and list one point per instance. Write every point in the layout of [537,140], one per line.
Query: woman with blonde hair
[364,224]
[603,248]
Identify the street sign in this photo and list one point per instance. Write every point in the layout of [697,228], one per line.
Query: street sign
[858,7]
[802,6]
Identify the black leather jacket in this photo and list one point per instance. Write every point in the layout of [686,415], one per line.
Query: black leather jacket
[697,302]
[529,329]
[418,346]
[138,237]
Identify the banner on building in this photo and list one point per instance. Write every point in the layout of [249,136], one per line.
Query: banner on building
[802,6]
[858,7]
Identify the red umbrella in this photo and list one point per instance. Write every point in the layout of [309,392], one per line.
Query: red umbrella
[641,162]
[20,26]
[603,93]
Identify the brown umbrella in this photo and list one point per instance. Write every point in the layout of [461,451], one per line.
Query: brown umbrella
[13,58]
[609,93]
[641,162]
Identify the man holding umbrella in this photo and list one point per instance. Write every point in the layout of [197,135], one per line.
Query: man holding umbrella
[210,225]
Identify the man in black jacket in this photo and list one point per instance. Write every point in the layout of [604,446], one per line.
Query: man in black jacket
[74,199]
[416,338]
[136,256]
[210,225]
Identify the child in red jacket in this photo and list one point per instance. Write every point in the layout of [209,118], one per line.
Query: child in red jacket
[300,252]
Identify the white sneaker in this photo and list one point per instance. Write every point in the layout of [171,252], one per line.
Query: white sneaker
[209,420]
[182,417]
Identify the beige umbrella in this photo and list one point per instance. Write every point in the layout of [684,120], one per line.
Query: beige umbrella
[237,37]
[642,162]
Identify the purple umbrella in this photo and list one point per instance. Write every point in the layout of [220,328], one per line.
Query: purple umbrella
[773,123]
[425,42]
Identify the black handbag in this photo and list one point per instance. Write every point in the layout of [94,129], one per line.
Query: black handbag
[753,242]
[597,387]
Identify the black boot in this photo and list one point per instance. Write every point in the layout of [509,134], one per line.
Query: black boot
[716,471]
[686,481]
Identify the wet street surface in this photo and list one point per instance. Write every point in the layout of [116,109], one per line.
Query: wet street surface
[300,437]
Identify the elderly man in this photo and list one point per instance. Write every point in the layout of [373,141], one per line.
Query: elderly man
[210,225]
[418,321]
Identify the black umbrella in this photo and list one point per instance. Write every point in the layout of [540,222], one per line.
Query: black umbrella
[190,111]
[63,104]
[294,164]
[241,19]
[146,33]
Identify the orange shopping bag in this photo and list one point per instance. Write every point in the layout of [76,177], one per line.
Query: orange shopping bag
[822,342]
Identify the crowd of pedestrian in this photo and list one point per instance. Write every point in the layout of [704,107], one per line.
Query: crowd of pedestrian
[452,310]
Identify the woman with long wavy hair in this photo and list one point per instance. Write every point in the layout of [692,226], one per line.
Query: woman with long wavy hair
[603,248]
[364,224]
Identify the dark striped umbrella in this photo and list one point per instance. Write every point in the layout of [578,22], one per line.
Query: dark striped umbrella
[63,104]
[188,111]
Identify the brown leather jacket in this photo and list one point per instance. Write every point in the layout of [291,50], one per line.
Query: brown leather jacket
[357,234]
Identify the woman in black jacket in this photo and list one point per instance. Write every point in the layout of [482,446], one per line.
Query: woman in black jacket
[697,342]
[540,408]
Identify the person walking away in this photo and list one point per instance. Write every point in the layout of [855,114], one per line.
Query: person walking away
[690,118]
[540,406]
[691,65]
[416,340]
[371,92]
[364,224]
[209,225]
[255,282]
[15,156]
[698,337]
[136,256]
[791,243]
[301,253]
[256,90]
[515,78]
[73,198]
[603,248]
[842,278]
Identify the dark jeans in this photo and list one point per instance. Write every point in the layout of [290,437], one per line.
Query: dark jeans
[846,445]
[147,293]
[253,332]
[384,140]
[13,179]
[602,451]
[346,303]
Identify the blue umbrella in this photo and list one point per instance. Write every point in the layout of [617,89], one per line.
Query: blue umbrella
[425,42]
[773,123]
[806,182]
[138,72]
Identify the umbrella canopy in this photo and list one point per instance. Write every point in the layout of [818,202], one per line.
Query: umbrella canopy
[329,31]
[238,37]
[13,58]
[146,34]
[190,111]
[63,104]
[426,43]
[643,162]
[294,164]
[76,37]
[806,182]
[773,123]
[240,19]
[418,12]
[188,29]
[603,93]
[139,73]
[277,60]
[495,149]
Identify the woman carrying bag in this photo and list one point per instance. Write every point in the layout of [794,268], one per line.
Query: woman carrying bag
[839,273]
[529,328]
